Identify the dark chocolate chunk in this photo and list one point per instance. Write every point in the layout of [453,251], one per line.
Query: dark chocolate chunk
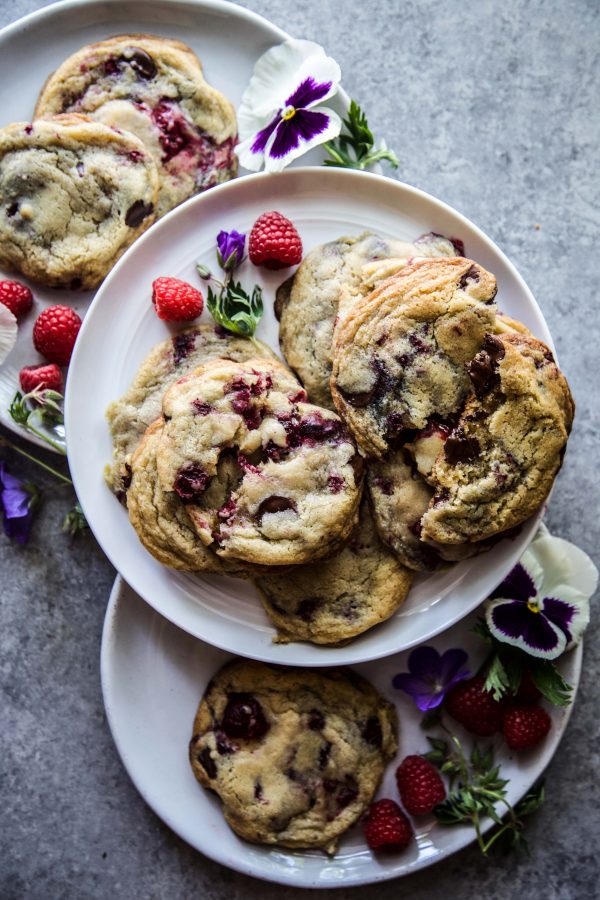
[459,448]
[141,63]
[137,212]
[207,762]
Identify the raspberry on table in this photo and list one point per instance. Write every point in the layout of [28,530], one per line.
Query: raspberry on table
[17,297]
[525,726]
[475,708]
[420,786]
[175,300]
[274,242]
[386,827]
[47,377]
[55,332]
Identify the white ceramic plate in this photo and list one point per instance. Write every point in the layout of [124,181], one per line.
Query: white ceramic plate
[153,676]
[121,327]
[227,38]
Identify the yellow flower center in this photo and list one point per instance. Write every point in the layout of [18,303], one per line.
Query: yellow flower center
[288,113]
[532,606]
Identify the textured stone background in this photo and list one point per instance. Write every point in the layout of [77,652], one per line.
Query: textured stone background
[491,106]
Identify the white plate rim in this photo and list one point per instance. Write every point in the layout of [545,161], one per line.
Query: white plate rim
[334,656]
[465,836]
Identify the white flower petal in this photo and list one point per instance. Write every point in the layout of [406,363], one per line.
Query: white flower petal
[8,331]
[251,161]
[534,569]
[277,164]
[323,70]
[275,77]
[581,606]
[563,562]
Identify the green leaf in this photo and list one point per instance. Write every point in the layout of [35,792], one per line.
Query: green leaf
[18,409]
[550,682]
[75,522]
[234,309]
[496,680]
[355,148]
[531,802]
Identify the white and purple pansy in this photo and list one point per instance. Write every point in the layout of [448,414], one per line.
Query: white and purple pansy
[542,606]
[280,116]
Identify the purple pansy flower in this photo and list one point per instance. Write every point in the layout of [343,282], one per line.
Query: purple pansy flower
[542,606]
[431,675]
[280,116]
[230,249]
[18,502]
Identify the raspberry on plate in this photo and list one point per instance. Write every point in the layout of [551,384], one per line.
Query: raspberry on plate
[55,332]
[274,242]
[175,300]
[419,785]
[386,826]
[525,726]
[17,297]
[475,708]
[48,377]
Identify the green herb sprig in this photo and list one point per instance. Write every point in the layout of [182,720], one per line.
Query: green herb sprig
[476,789]
[41,413]
[355,147]
[505,667]
[236,310]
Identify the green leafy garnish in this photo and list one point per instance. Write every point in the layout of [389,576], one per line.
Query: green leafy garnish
[41,413]
[234,309]
[476,790]
[75,522]
[355,148]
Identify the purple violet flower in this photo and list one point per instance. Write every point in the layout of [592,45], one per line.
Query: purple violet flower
[18,501]
[230,249]
[431,675]
[542,606]
[281,116]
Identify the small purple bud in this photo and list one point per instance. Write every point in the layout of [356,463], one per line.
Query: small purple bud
[230,249]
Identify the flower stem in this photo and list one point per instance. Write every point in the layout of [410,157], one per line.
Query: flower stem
[38,462]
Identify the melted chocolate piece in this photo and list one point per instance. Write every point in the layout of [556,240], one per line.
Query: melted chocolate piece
[324,754]
[12,210]
[141,63]
[137,212]
[207,762]
[483,368]
[472,274]
[307,608]
[275,505]
[316,720]
[372,732]
[459,448]
[244,717]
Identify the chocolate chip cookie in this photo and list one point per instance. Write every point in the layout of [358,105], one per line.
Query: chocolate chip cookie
[307,304]
[299,476]
[295,755]
[154,88]
[500,459]
[336,599]
[74,194]
[141,404]
[399,357]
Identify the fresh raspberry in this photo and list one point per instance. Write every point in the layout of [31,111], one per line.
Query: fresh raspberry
[527,693]
[475,708]
[386,827]
[55,332]
[17,297]
[175,300]
[274,242]
[49,377]
[525,726]
[419,785]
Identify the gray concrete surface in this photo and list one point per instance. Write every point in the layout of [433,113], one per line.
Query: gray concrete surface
[491,106]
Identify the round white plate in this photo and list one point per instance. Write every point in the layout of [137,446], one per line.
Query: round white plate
[121,327]
[153,676]
[227,38]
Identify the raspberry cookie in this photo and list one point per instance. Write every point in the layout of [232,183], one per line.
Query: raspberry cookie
[160,519]
[298,470]
[154,88]
[500,460]
[399,358]
[307,303]
[332,601]
[141,404]
[74,194]
[295,755]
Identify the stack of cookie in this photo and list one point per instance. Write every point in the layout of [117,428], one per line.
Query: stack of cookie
[450,424]
[123,131]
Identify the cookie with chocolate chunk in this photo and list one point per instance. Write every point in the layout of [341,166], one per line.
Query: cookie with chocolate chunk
[155,88]
[336,599]
[295,755]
